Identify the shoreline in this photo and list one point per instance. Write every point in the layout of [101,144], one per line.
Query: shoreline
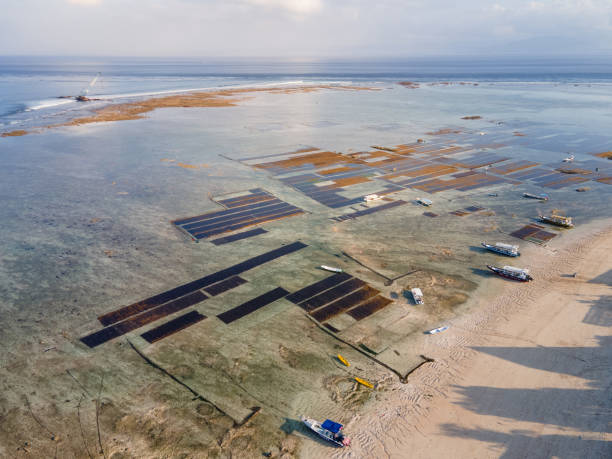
[433,411]
[125,111]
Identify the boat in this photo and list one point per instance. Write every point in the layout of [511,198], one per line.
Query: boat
[510,272]
[331,268]
[329,430]
[541,197]
[424,201]
[437,330]
[569,159]
[417,295]
[372,197]
[363,382]
[344,361]
[558,220]
[505,249]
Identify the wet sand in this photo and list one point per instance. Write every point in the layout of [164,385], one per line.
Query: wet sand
[526,374]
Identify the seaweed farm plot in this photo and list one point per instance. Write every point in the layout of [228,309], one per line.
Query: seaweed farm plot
[251,208]
[466,211]
[136,315]
[371,210]
[173,326]
[534,233]
[339,294]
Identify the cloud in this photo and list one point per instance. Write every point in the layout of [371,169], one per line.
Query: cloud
[84,2]
[293,6]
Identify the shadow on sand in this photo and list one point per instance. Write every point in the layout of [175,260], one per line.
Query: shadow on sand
[586,409]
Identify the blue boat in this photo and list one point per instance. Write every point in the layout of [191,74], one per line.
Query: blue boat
[329,430]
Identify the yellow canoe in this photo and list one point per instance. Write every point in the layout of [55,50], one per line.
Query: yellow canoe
[364,382]
[343,360]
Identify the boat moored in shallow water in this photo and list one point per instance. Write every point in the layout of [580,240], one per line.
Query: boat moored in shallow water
[558,220]
[329,430]
[510,272]
[504,249]
[541,197]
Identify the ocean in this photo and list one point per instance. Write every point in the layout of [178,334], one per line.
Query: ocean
[30,86]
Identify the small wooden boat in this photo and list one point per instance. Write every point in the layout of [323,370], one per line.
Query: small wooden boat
[363,382]
[331,268]
[343,360]
[328,430]
[437,330]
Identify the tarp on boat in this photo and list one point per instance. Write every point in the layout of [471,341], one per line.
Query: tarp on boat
[331,426]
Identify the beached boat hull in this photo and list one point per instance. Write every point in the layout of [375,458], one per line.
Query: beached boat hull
[506,275]
[507,253]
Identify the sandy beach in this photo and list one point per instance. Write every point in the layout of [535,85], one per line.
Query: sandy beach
[525,374]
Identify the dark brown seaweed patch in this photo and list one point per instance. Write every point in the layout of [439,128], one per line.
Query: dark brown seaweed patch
[369,308]
[341,305]
[317,287]
[239,236]
[252,305]
[127,311]
[121,328]
[173,326]
[333,294]
[224,285]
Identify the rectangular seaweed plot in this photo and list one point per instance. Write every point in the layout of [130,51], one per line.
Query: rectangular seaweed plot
[341,305]
[332,294]
[239,236]
[371,210]
[367,309]
[106,334]
[526,231]
[224,285]
[252,305]
[430,214]
[173,326]
[154,301]
[318,287]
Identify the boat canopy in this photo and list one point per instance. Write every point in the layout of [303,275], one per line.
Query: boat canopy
[516,270]
[331,426]
[506,246]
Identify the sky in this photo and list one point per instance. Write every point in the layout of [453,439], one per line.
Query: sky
[305,28]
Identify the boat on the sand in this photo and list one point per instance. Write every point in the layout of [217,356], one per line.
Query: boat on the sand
[417,294]
[424,201]
[510,272]
[331,268]
[504,249]
[328,430]
[541,197]
[437,330]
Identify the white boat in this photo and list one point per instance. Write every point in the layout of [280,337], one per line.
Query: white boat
[424,201]
[417,295]
[372,197]
[569,159]
[437,330]
[505,249]
[331,268]
[329,430]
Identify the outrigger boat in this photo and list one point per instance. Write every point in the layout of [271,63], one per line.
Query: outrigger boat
[569,159]
[558,220]
[541,197]
[424,201]
[329,430]
[505,249]
[417,294]
[510,272]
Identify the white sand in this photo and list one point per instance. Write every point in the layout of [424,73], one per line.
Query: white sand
[526,374]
